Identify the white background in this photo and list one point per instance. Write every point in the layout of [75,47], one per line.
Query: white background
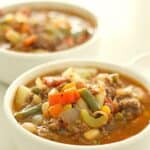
[125,34]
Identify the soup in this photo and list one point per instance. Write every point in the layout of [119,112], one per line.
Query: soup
[38,30]
[83,106]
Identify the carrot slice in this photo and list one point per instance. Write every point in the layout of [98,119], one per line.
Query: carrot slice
[30,40]
[55,110]
[66,97]
[25,28]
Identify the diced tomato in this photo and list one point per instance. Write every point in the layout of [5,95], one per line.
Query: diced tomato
[82,38]
[69,41]
[1,13]
[54,81]
[25,10]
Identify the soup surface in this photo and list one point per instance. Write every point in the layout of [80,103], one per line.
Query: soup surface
[83,106]
[42,30]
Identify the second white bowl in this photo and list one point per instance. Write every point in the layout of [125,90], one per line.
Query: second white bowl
[13,63]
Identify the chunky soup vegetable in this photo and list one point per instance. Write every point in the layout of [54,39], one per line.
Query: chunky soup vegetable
[84,106]
[42,30]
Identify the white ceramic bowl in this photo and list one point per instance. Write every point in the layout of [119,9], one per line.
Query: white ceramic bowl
[25,140]
[14,63]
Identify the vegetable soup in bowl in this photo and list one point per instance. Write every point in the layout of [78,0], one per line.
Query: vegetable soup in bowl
[76,104]
[33,33]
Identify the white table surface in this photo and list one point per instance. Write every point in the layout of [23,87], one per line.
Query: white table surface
[125,33]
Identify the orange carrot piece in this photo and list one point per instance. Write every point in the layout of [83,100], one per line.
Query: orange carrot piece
[30,40]
[66,97]
[55,110]
[25,28]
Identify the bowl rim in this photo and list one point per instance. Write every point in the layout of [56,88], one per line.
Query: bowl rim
[77,48]
[121,69]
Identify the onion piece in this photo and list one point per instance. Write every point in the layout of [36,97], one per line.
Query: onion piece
[69,116]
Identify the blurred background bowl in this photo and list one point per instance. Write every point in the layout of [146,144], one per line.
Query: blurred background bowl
[14,63]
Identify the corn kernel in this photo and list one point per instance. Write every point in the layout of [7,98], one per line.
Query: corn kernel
[106,109]
[67,107]
[68,86]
